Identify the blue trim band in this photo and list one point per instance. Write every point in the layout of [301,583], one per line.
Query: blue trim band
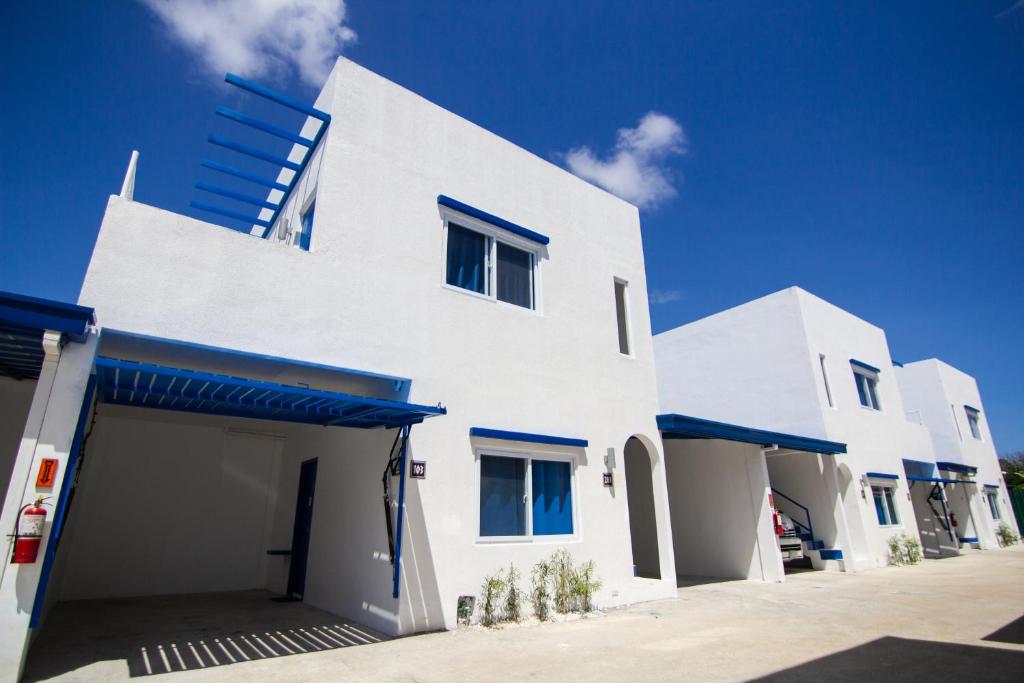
[972,408]
[485,433]
[32,313]
[864,366]
[957,467]
[882,475]
[674,426]
[991,486]
[492,219]
[831,553]
[897,364]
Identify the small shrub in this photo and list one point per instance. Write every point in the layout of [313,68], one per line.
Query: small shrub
[490,598]
[563,578]
[540,597]
[513,596]
[1006,534]
[896,558]
[585,585]
[904,550]
[464,612]
[912,549]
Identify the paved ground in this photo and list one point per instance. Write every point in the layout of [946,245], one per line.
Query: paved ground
[958,619]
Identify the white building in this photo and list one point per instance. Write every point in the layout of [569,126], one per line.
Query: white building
[947,402]
[252,389]
[793,363]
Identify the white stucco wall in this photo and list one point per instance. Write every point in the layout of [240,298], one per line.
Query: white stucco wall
[369,295]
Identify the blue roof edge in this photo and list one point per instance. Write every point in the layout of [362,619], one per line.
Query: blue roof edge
[677,426]
[474,212]
[30,312]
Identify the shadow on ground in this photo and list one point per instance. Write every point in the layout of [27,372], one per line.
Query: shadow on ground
[908,661]
[1011,633]
[156,635]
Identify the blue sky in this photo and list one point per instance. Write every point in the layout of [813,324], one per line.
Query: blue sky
[872,153]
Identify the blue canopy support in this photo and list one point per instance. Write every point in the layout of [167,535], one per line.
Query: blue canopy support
[673,426]
[145,385]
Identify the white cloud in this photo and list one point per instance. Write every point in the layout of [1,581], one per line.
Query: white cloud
[663,296]
[257,38]
[637,170]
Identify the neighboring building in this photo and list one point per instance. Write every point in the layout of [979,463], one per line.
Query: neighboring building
[822,380]
[251,389]
[947,402]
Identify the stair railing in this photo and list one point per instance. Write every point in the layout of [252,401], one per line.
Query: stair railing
[807,513]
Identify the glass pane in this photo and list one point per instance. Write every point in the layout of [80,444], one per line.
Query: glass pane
[307,227]
[871,382]
[620,314]
[972,420]
[890,503]
[467,259]
[502,496]
[879,505]
[862,389]
[515,276]
[552,498]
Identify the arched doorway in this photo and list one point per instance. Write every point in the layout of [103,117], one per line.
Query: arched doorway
[643,525]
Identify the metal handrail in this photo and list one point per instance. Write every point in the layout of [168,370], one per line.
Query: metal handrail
[809,527]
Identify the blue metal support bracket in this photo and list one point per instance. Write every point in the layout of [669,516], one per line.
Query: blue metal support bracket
[244,175]
[203,206]
[275,96]
[238,196]
[253,152]
[263,126]
[396,579]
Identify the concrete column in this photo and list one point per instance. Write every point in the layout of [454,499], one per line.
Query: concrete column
[844,539]
[768,553]
[49,430]
[981,518]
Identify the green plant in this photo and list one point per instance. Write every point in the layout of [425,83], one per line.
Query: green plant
[896,557]
[912,549]
[513,596]
[464,611]
[563,577]
[490,598]
[1006,534]
[539,595]
[585,584]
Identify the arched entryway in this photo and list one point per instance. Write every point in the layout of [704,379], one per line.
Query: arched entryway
[643,525]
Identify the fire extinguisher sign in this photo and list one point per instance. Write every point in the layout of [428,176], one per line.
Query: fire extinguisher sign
[47,473]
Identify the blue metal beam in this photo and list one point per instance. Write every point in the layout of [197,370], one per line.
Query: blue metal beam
[203,206]
[239,196]
[275,96]
[297,176]
[396,578]
[244,175]
[265,127]
[253,152]
[32,313]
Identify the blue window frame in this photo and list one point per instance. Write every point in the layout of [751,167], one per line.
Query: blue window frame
[307,227]
[867,389]
[885,505]
[508,483]
[993,504]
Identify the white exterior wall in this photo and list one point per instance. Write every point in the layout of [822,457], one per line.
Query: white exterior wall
[369,295]
[936,394]
[758,365]
[15,401]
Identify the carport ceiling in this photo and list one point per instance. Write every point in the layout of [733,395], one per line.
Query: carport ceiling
[145,385]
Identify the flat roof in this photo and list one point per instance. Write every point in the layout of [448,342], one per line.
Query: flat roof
[674,426]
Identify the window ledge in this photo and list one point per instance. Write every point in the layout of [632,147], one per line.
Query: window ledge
[489,299]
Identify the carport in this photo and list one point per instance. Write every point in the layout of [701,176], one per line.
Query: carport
[725,482]
[942,506]
[227,507]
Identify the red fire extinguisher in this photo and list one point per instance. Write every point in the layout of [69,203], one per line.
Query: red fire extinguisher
[952,520]
[29,533]
[776,518]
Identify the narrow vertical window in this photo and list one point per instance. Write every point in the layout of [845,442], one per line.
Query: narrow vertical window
[993,505]
[972,421]
[307,227]
[502,496]
[552,497]
[885,505]
[622,317]
[824,378]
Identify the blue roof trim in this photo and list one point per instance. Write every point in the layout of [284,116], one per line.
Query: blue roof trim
[957,467]
[483,432]
[968,539]
[831,554]
[897,364]
[882,475]
[492,219]
[940,480]
[865,366]
[971,408]
[33,313]
[250,355]
[991,486]
[674,426]
[146,385]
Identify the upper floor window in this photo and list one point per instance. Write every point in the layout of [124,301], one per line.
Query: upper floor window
[972,421]
[866,378]
[993,504]
[306,221]
[488,265]
[622,316]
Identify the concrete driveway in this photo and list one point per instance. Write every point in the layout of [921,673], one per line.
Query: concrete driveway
[959,619]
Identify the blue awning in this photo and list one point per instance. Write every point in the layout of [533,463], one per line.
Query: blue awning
[882,475]
[24,319]
[991,486]
[957,467]
[864,366]
[484,432]
[474,212]
[940,480]
[674,426]
[145,385]
[918,468]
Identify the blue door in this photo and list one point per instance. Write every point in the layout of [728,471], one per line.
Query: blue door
[300,533]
